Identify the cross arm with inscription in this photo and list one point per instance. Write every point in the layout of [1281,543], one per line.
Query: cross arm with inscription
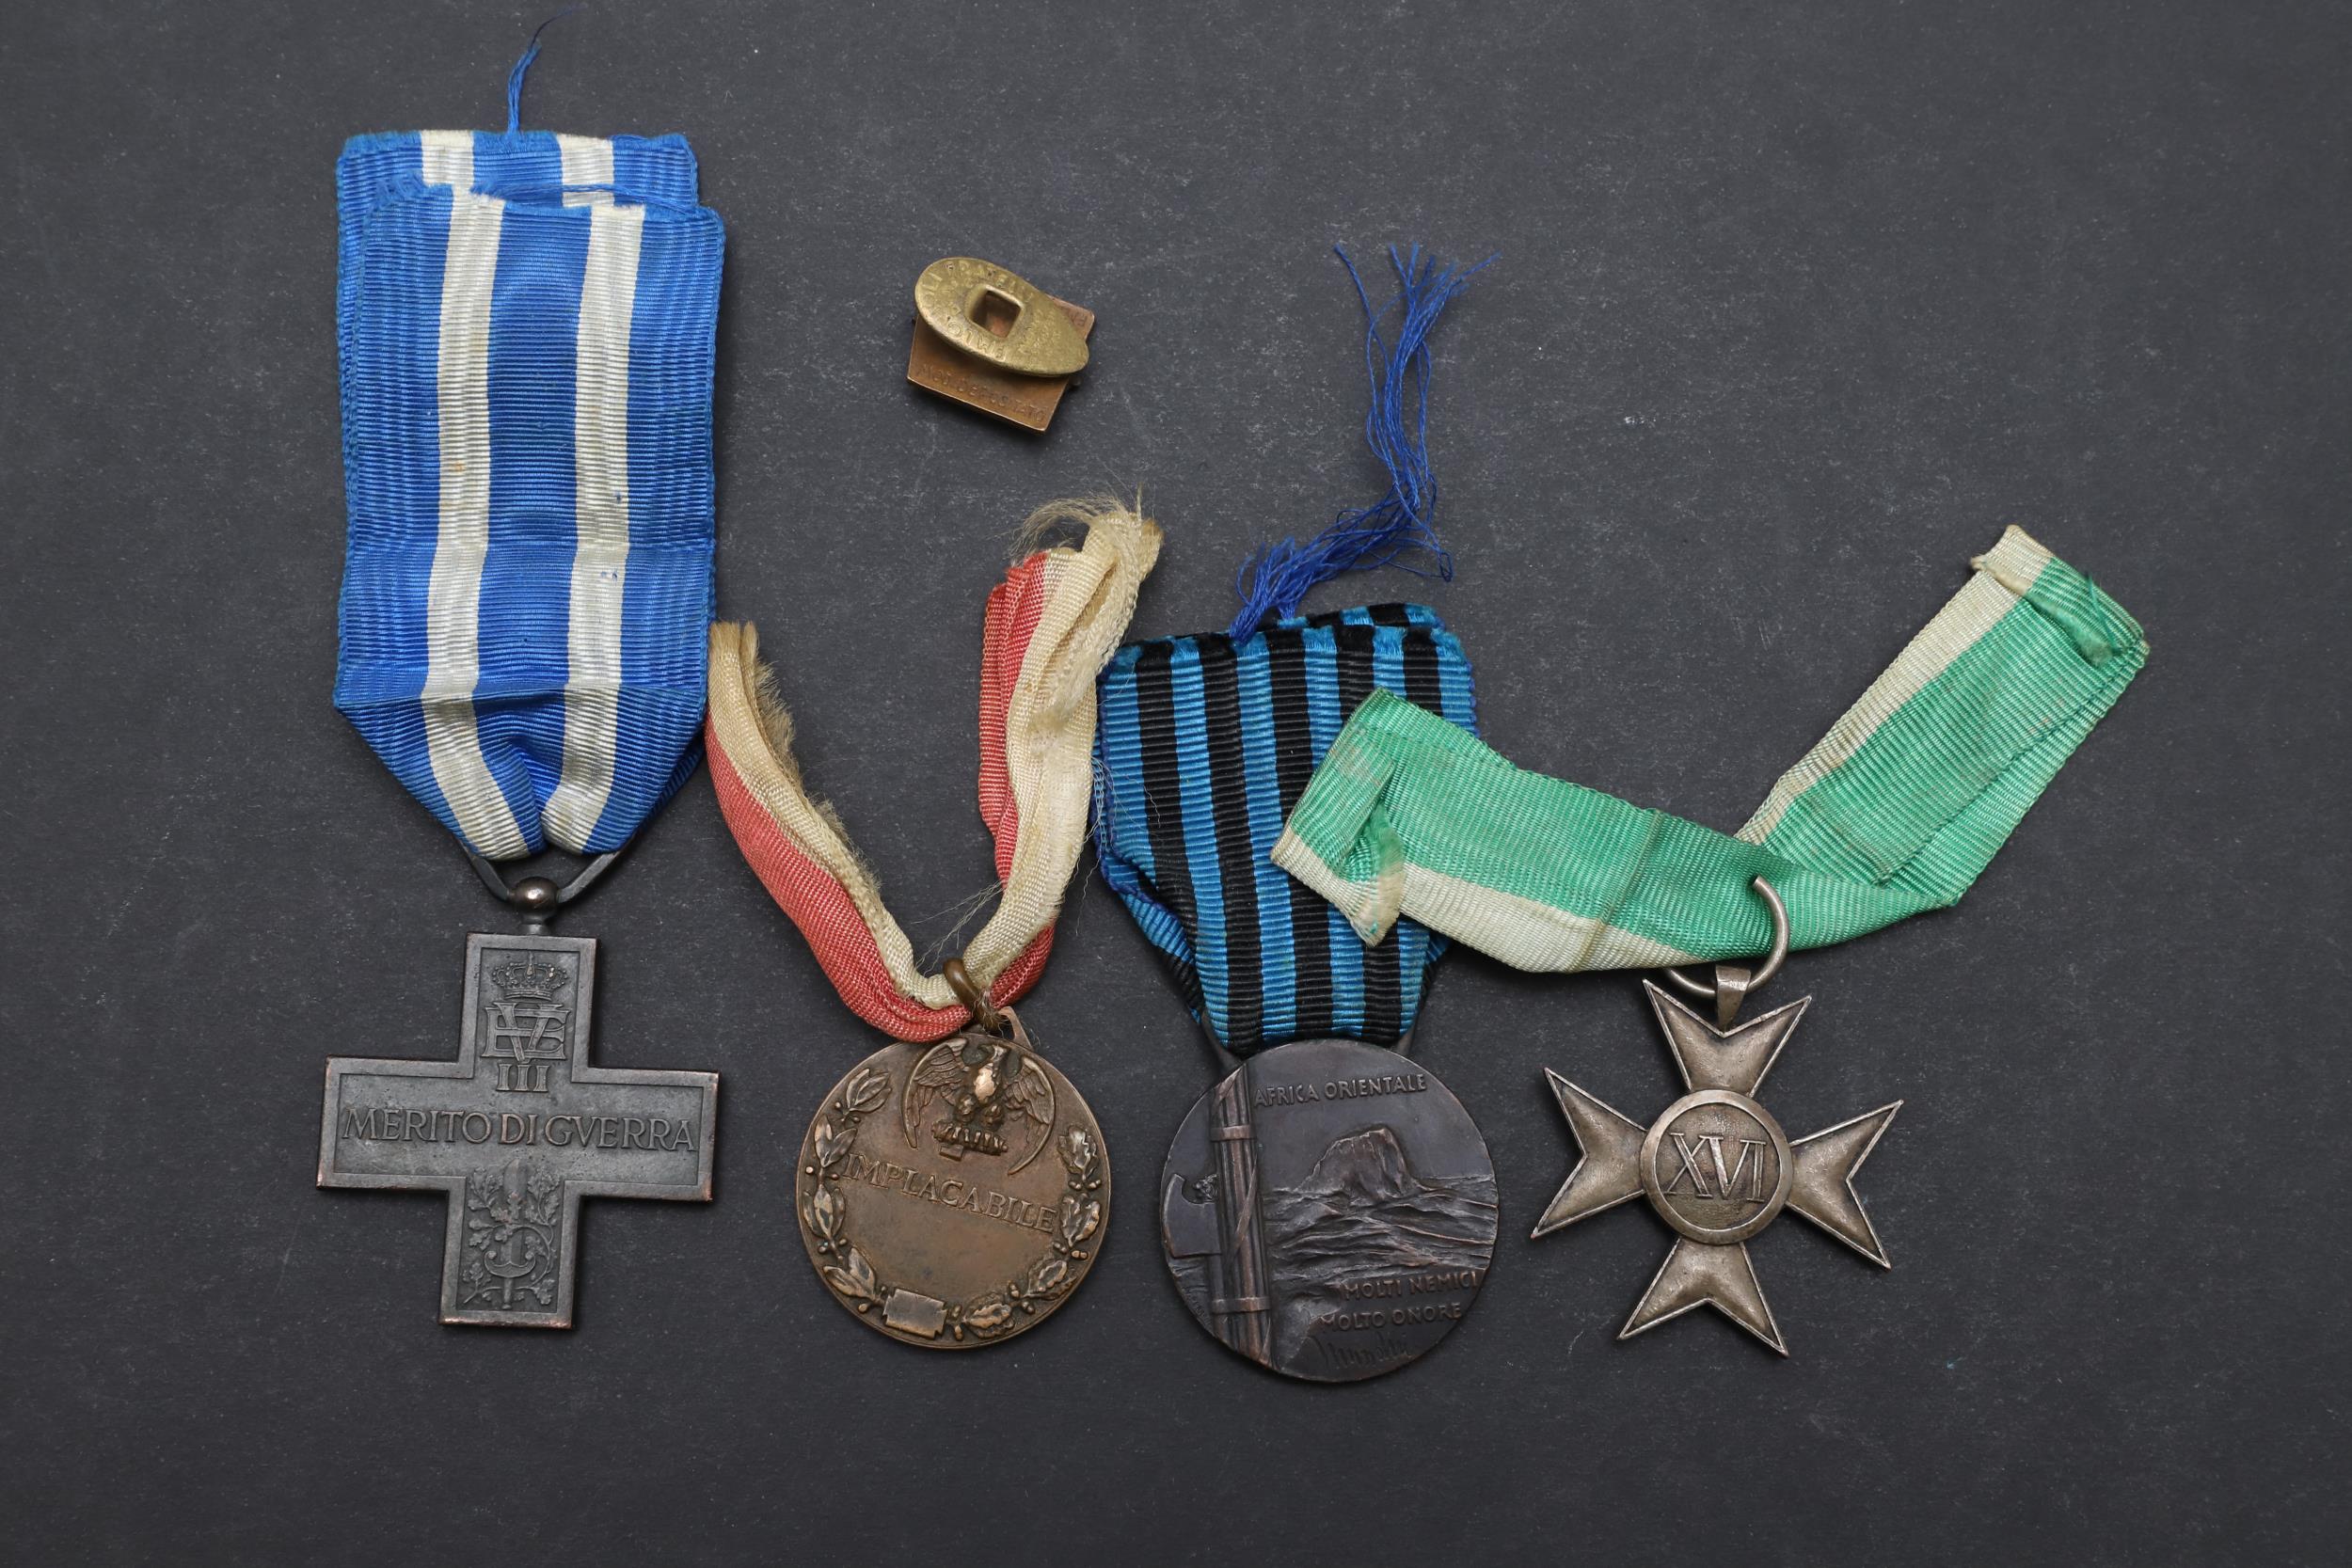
[517,1130]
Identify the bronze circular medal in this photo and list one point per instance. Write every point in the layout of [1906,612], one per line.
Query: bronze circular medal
[953,1194]
[1328,1210]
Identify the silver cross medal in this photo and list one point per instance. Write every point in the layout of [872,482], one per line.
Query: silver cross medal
[519,1129]
[1716,1165]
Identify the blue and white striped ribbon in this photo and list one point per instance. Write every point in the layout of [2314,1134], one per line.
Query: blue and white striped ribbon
[527,326]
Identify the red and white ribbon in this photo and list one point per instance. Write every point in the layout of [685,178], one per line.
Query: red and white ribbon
[1050,626]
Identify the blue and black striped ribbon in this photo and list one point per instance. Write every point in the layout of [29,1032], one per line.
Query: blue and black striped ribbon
[1204,744]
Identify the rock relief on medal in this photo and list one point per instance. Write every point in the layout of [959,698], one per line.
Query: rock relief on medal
[1336,1227]
[1365,1216]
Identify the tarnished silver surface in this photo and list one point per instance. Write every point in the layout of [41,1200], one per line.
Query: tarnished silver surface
[1716,1167]
[517,1130]
[1328,1210]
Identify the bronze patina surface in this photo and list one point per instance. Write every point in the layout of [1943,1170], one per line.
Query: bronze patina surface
[953,1194]
[1717,1167]
[1328,1210]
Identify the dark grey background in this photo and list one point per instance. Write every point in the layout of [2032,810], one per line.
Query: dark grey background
[1798,304]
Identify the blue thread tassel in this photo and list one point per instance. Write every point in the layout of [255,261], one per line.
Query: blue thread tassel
[522,68]
[1395,529]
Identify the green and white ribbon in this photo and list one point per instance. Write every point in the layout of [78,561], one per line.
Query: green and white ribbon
[1896,810]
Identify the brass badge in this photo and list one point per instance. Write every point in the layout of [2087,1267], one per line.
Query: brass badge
[953,1194]
[1717,1167]
[994,342]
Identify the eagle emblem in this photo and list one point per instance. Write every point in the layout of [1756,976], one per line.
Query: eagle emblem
[992,1099]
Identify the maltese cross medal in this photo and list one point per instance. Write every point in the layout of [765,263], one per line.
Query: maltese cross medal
[1717,1168]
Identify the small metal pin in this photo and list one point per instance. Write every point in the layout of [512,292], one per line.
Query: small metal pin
[994,341]
[998,316]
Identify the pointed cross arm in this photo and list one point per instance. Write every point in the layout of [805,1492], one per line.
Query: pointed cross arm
[1711,1059]
[1695,1276]
[1609,1171]
[1820,1184]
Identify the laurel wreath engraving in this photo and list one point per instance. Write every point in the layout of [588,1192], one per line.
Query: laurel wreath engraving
[510,1237]
[992,1312]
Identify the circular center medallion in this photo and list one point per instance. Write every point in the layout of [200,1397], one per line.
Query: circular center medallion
[1328,1210]
[953,1194]
[1716,1166]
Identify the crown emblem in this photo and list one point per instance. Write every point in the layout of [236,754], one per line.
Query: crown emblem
[531,978]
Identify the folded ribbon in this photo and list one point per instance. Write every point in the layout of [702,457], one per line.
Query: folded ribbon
[1050,626]
[527,324]
[1896,811]
[1206,741]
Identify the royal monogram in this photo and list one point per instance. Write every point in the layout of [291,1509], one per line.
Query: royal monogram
[528,1024]
[514,1177]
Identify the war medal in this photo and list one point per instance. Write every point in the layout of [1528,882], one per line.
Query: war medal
[1715,1165]
[526,323]
[953,1194]
[1896,811]
[519,1129]
[1327,1209]
[953,1188]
